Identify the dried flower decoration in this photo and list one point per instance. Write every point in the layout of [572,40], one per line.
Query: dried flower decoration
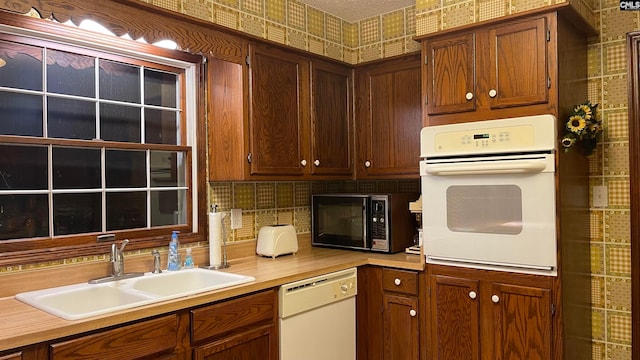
[582,126]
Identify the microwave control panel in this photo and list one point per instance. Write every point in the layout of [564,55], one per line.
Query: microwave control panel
[379,223]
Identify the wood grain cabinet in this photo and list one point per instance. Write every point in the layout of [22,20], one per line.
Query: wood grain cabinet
[150,339]
[388,118]
[476,314]
[389,318]
[14,356]
[279,114]
[243,328]
[504,68]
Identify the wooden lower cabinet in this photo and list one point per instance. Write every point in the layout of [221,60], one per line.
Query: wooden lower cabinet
[148,339]
[388,316]
[251,344]
[477,314]
[241,329]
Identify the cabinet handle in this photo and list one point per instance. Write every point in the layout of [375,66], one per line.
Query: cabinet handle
[316,163]
[469,96]
[493,93]
[397,282]
[367,164]
[413,313]
[495,298]
[303,162]
[472,294]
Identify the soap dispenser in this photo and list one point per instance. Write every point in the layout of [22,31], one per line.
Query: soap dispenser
[173,262]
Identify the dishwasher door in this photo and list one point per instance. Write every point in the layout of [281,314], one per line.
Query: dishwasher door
[318,317]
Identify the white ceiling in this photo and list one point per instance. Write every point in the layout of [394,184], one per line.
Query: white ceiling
[354,10]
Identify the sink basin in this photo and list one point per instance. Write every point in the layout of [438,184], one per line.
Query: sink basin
[187,282]
[78,301]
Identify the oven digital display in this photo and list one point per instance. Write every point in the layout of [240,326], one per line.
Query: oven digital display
[480,136]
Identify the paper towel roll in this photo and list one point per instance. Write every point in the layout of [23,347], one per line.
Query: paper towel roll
[215,238]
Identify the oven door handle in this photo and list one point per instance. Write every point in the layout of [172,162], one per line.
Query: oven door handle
[487,168]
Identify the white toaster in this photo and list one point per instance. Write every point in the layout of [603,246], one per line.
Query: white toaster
[276,240]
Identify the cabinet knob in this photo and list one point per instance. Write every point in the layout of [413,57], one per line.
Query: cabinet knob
[303,162]
[367,164]
[472,294]
[495,298]
[493,93]
[316,163]
[397,282]
[412,313]
[469,96]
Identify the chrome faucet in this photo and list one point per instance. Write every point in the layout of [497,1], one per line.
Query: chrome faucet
[156,262]
[117,258]
[117,266]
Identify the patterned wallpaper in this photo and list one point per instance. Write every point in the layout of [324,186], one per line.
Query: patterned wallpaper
[298,25]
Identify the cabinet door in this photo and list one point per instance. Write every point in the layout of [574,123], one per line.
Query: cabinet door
[278,113]
[227,138]
[16,356]
[248,345]
[455,312]
[331,125]
[389,118]
[401,327]
[518,64]
[522,322]
[137,341]
[450,75]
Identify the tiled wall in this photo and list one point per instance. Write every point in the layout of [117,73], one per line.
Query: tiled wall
[286,202]
[298,25]
[609,166]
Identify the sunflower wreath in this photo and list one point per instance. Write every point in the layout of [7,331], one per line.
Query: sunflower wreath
[582,126]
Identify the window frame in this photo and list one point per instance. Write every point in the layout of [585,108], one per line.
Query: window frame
[66,38]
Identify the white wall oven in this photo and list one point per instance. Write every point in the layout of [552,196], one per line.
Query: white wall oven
[489,194]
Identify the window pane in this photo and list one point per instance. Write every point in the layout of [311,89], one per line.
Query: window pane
[167,169]
[161,127]
[70,74]
[23,216]
[22,67]
[125,169]
[168,207]
[120,123]
[126,210]
[71,119]
[119,82]
[159,88]
[21,114]
[77,213]
[76,168]
[23,167]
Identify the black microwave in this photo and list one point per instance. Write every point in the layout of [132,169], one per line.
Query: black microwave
[370,222]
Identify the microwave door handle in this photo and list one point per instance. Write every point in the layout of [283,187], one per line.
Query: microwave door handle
[486,168]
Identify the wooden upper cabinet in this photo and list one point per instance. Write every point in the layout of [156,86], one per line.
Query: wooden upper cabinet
[491,71]
[331,121]
[278,111]
[518,63]
[450,76]
[389,118]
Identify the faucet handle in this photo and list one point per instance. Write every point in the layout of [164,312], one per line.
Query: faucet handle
[124,243]
[156,261]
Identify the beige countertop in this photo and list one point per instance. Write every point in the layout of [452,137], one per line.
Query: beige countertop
[21,324]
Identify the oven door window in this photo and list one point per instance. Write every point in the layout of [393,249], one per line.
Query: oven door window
[489,209]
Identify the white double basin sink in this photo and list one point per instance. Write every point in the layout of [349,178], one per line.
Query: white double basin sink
[78,301]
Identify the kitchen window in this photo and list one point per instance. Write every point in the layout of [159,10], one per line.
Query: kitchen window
[94,140]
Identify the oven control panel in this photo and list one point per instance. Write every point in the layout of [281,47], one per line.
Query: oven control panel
[503,138]
[522,134]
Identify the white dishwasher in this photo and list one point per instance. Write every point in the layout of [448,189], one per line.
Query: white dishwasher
[318,317]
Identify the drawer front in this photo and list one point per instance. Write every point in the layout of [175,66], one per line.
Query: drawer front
[127,342]
[226,316]
[402,281]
